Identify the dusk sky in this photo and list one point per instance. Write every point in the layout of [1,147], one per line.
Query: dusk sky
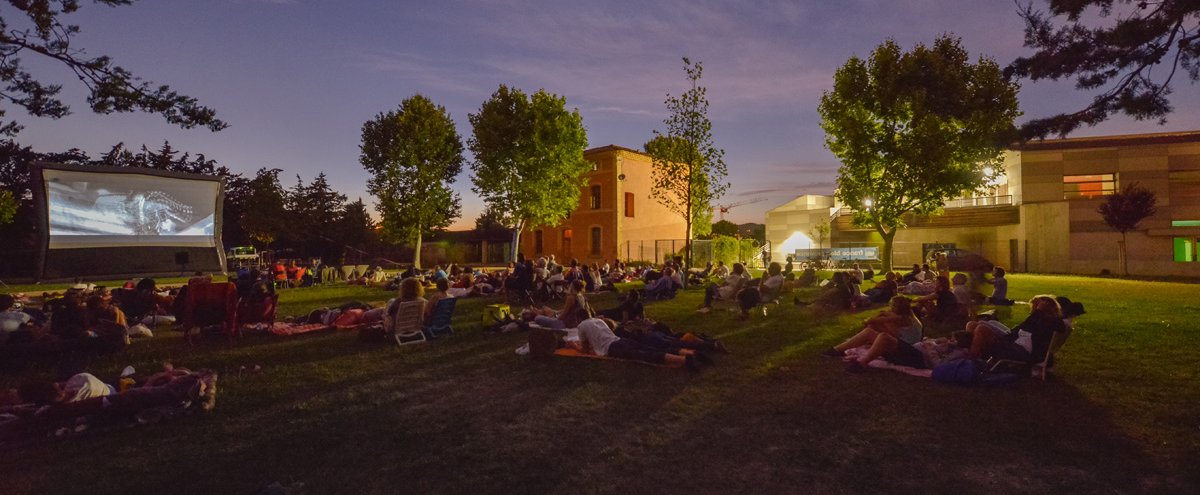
[296,79]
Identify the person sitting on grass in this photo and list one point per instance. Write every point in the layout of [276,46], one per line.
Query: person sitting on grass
[726,290]
[575,309]
[884,290]
[596,337]
[941,305]
[891,335]
[442,292]
[664,286]
[836,296]
[999,283]
[807,278]
[630,309]
[720,271]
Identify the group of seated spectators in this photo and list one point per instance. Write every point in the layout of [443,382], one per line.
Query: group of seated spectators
[739,287]
[898,333]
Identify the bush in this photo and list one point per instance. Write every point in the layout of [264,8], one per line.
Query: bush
[725,248]
[749,249]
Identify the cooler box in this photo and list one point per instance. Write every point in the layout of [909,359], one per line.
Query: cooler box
[495,312]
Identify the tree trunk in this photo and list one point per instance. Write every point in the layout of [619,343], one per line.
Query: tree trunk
[687,251]
[888,238]
[1124,255]
[417,250]
[516,239]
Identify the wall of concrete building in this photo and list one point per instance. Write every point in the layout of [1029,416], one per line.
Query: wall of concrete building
[797,216]
[1089,245]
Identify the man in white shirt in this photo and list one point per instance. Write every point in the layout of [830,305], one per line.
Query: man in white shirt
[596,336]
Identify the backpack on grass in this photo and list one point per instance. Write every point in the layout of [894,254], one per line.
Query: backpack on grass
[957,372]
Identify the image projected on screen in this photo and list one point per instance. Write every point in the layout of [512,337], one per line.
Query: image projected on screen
[89,209]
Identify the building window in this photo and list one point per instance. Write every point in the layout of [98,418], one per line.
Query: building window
[629,205]
[595,197]
[1185,223]
[1089,186]
[537,242]
[1185,249]
[566,243]
[596,241]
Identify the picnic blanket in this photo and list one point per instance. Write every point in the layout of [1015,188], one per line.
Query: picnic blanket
[571,352]
[282,328]
[883,364]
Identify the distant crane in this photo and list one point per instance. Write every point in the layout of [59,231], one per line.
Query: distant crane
[723,209]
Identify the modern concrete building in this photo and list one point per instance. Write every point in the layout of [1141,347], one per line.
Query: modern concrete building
[616,217]
[1040,214]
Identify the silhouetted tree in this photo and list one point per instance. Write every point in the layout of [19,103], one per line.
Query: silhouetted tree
[39,31]
[1124,210]
[913,129]
[1131,60]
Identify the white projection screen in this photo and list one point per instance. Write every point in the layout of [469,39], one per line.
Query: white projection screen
[118,220]
[90,209]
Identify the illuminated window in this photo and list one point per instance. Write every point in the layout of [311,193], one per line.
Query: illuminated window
[566,242]
[537,242]
[629,205]
[596,241]
[595,197]
[1089,186]
[1185,249]
[1185,223]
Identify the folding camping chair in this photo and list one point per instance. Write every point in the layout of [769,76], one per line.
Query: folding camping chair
[439,320]
[1037,369]
[210,303]
[406,325]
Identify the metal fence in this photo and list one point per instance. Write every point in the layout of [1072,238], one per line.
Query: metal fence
[658,251]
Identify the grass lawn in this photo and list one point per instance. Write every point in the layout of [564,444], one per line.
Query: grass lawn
[465,414]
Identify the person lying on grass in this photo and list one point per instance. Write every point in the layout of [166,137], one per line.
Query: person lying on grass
[891,335]
[52,406]
[596,337]
[658,335]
